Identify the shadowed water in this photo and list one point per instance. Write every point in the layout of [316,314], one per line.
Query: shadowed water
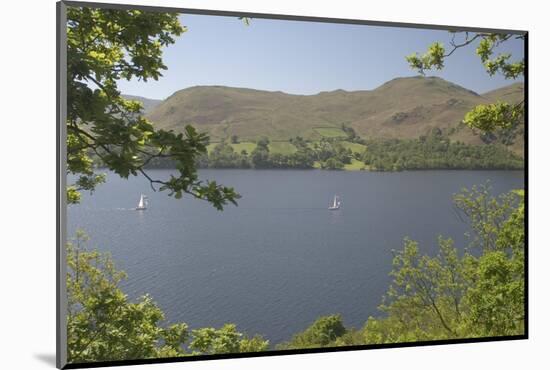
[280,259]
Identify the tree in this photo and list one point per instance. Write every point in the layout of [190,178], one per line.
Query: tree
[499,116]
[324,150]
[486,215]
[260,154]
[497,295]
[332,164]
[323,332]
[104,46]
[299,142]
[434,151]
[225,340]
[224,156]
[462,295]
[103,325]
[351,134]
[221,155]
[263,144]
[433,285]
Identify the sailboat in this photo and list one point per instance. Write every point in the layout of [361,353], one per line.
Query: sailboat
[143,203]
[336,203]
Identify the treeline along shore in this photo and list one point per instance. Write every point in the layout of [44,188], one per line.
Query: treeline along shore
[432,151]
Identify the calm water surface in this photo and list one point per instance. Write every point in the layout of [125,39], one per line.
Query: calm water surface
[280,259]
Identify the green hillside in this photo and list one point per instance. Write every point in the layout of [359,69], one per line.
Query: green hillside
[401,108]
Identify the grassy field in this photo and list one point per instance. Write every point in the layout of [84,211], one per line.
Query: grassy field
[248,146]
[356,148]
[282,147]
[238,147]
[330,131]
[355,165]
[210,147]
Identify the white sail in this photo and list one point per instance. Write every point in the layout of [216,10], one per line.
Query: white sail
[142,202]
[335,203]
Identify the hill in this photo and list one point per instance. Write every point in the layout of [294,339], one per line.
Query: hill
[400,108]
[148,104]
[513,93]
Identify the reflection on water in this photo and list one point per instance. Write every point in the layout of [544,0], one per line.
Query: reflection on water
[336,216]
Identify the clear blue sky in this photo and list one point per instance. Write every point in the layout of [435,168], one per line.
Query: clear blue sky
[303,57]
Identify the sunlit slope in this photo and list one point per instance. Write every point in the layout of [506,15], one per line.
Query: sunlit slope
[401,108]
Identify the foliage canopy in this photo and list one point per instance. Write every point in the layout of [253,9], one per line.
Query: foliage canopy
[104,46]
[485,117]
[104,325]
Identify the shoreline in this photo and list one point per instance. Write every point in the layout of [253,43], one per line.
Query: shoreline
[338,170]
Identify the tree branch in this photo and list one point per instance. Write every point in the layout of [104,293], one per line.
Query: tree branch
[465,43]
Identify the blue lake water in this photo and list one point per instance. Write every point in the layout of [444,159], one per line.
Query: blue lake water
[280,259]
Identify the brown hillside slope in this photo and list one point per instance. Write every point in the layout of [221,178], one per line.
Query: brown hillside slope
[401,108]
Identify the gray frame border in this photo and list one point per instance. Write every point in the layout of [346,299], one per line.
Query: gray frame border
[61,166]
[61,157]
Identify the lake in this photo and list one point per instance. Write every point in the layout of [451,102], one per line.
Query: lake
[280,259]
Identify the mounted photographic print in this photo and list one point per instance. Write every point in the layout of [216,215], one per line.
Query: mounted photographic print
[239,184]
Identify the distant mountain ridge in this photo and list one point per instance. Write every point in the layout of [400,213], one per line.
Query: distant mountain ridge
[400,108]
[148,104]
